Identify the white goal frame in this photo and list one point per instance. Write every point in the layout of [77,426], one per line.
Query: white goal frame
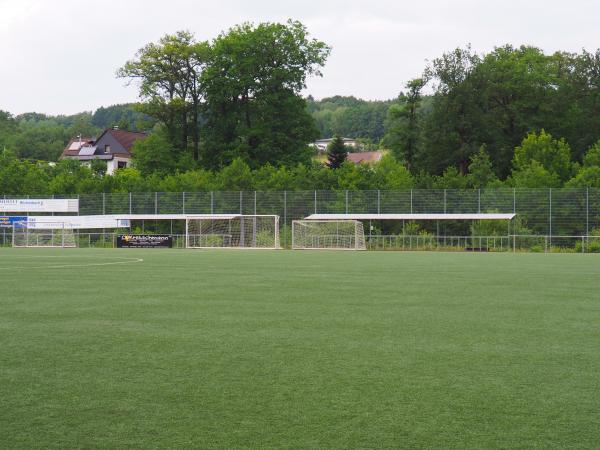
[43,235]
[328,235]
[233,231]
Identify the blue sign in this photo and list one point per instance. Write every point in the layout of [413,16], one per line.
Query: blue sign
[11,221]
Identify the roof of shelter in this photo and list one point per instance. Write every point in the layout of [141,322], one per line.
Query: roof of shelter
[477,216]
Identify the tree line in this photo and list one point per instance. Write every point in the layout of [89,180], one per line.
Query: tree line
[539,162]
[514,116]
[492,102]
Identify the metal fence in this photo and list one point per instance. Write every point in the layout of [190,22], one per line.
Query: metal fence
[548,213]
[498,244]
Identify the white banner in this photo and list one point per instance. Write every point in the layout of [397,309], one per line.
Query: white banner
[76,222]
[39,205]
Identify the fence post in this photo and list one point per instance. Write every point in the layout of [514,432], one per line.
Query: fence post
[103,203]
[444,201]
[183,202]
[315,201]
[155,202]
[587,211]
[346,201]
[514,200]
[254,202]
[479,201]
[411,201]
[130,203]
[550,213]
[212,202]
[285,217]
[378,201]
[241,206]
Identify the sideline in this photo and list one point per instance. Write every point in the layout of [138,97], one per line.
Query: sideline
[126,260]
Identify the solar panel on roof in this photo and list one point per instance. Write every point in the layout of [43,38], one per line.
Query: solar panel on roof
[87,151]
[74,145]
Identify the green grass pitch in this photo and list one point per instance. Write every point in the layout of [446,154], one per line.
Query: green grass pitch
[251,349]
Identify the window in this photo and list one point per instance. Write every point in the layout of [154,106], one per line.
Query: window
[107,148]
[121,164]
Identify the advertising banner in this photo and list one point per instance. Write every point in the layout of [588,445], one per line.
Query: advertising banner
[10,221]
[144,241]
[39,205]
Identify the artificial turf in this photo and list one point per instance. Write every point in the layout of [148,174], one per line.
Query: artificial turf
[266,349]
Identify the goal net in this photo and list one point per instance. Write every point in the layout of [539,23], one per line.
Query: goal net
[43,234]
[328,234]
[232,231]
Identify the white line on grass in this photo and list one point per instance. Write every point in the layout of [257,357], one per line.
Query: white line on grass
[64,266]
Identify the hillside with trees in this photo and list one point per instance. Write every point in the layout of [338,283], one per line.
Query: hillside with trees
[232,107]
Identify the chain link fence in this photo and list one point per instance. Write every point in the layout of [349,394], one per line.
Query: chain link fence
[547,219]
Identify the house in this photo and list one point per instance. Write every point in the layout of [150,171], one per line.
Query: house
[365,157]
[112,146]
[321,144]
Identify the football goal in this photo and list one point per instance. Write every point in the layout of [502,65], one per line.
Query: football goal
[43,234]
[232,231]
[328,234]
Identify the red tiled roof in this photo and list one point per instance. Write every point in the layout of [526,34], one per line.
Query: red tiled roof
[125,138]
[364,157]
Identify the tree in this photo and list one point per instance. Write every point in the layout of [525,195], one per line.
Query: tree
[108,117]
[252,83]
[454,119]
[589,174]
[592,157]
[403,124]
[481,172]
[551,154]
[70,177]
[391,174]
[494,99]
[8,128]
[169,73]
[451,179]
[98,167]
[235,177]
[21,177]
[534,175]
[337,153]
[576,103]
[586,177]
[154,154]
[516,88]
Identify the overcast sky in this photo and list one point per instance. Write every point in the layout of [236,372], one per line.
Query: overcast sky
[60,56]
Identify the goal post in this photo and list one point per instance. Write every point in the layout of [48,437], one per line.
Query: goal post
[232,231]
[43,234]
[328,234]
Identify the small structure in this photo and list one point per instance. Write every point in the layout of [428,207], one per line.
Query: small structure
[322,144]
[365,157]
[113,146]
